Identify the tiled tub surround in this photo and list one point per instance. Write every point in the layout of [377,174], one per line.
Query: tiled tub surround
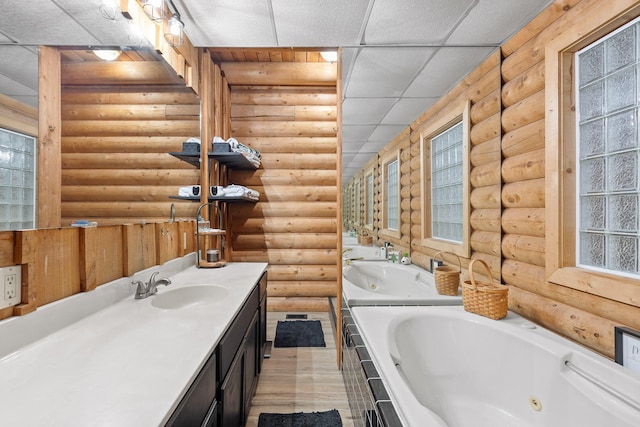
[105,358]
[369,401]
[443,366]
[386,283]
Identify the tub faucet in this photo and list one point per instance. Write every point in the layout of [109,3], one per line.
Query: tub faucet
[348,261]
[145,290]
[344,251]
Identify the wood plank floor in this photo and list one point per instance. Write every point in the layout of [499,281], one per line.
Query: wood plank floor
[300,379]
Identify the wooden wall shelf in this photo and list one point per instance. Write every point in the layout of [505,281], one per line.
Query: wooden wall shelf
[232,160]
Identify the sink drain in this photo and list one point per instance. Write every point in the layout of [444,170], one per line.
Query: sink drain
[535,404]
[372,286]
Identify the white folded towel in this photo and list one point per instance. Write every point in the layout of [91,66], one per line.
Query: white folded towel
[234,190]
[190,191]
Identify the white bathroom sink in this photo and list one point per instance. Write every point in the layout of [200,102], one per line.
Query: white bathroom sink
[189,295]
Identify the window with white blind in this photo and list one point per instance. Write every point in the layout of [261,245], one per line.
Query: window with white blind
[608,152]
[17,180]
[369,194]
[445,183]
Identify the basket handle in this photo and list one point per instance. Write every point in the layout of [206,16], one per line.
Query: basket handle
[486,267]
[450,253]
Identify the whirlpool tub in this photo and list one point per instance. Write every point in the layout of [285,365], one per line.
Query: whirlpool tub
[384,283]
[443,366]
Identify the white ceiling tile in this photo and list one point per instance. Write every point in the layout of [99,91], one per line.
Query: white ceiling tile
[386,132]
[227,23]
[351,147]
[44,21]
[445,69]
[21,65]
[356,133]
[413,21]
[385,72]
[374,146]
[347,157]
[492,21]
[318,23]
[406,110]
[362,158]
[362,111]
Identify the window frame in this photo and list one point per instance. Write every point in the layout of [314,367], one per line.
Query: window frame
[458,113]
[560,163]
[385,161]
[369,191]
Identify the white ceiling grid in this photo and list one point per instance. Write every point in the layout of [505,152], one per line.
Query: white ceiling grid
[399,57]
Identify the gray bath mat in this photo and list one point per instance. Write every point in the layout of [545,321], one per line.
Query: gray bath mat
[299,333]
[300,419]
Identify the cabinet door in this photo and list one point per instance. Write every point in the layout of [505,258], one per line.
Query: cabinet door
[262,339]
[198,400]
[251,353]
[231,393]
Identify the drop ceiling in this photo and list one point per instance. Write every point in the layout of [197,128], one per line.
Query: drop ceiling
[399,56]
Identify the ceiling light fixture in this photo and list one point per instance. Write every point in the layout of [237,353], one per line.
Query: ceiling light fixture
[329,56]
[154,9]
[107,54]
[174,31]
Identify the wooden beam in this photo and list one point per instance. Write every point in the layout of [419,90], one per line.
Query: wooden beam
[49,142]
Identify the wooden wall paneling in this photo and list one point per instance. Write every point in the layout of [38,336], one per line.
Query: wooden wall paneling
[7,240]
[167,241]
[280,74]
[18,117]
[24,255]
[294,225]
[139,247]
[56,261]
[115,151]
[49,138]
[100,256]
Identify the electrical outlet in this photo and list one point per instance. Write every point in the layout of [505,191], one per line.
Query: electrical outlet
[11,279]
[627,348]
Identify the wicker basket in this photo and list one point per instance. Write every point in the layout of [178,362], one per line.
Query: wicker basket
[487,299]
[447,278]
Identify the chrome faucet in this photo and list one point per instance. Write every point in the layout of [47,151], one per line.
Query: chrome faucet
[348,261]
[145,290]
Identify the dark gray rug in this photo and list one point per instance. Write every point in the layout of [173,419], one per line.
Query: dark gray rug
[299,333]
[300,419]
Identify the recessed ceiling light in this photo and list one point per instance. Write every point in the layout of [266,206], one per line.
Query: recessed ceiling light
[107,54]
[329,56]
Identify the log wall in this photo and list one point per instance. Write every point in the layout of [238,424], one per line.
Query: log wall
[115,143]
[292,122]
[509,176]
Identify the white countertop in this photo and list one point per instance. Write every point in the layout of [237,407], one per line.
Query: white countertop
[126,365]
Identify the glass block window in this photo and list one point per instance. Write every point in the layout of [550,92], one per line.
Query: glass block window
[369,184]
[446,184]
[392,196]
[17,181]
[608,208]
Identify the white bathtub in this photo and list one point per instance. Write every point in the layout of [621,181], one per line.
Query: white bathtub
[384,283]
[358,251]
[446,367]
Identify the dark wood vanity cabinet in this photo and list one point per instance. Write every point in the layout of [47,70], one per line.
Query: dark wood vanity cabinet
[221,393]
[199,406]
[240,354]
